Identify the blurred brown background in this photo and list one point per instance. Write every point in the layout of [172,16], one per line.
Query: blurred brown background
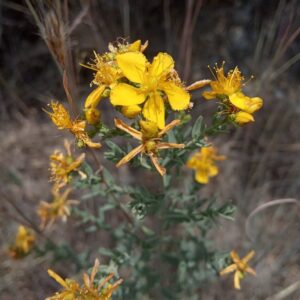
[260,36]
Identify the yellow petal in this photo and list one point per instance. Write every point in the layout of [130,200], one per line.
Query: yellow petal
[235,257]
[133,132]
[168,127]
[105,280]
[131,111]
[179,99]
[161,65]
[160,146]
[116,284]
[245,103]
[250,271]
[201,176]
[57,278]
[130,155]
[248,256]
[144,46]
[198,84]
[236,280]
[135,46]
[209,95]
[213,170]
[154,110]
[86,280]
[256,104]
[94,97]
[160,169]
[238,100]
[133,65]
[243,117]
[228,269]
[22,231]
[126,95]
[191,163]
[95,269]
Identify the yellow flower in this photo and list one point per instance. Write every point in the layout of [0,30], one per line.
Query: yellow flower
[107,75]
[240,267]
[23,243]
[203,162]
[92,114]
[107,71]
[154,85]
[150,139]
[224,85]
[62,165]
[58,208]
[61,118]
[89,290]
[229,90]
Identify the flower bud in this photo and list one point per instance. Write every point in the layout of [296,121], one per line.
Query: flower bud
[131,111]
[149,129]
[243,117]
[150,146]
[92,116]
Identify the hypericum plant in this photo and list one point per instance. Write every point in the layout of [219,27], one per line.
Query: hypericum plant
[157,234]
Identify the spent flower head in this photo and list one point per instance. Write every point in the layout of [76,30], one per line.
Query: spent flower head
[203,162]
[59,207]
[150,141]
[71,289]
[240,267]
[89,290]
[61,118]
[63,164]
[23,243]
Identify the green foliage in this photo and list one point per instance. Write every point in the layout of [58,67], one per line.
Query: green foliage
[158,237]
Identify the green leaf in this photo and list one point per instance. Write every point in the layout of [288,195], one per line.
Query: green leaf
[167,180]
[198,128]
[227,211]
[107,177]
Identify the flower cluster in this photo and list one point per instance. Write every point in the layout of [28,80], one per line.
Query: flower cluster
[23,244]
[89,290]
[228,89]
[148,91]
[62,166]
[137,88]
